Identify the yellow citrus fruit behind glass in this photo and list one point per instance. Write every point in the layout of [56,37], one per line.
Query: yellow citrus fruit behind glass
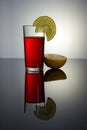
[47,25]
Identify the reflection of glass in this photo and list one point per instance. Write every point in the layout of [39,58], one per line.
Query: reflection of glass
[33,48]
[34,87]
[54,74]
[34,93]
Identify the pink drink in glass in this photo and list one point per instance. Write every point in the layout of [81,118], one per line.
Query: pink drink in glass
[34,50]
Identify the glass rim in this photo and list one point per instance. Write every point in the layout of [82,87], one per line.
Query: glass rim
[29,25]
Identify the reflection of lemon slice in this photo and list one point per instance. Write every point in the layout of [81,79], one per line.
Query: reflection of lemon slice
[54,60]
[54,74]
[47,25]
[46,112]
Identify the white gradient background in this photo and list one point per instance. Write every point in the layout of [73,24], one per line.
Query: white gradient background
[70,17]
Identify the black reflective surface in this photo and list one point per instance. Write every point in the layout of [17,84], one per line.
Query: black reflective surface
[65,95]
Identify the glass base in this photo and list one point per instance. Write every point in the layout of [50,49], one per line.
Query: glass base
[33,70]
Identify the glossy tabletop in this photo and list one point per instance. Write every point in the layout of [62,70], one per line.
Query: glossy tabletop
[60,96]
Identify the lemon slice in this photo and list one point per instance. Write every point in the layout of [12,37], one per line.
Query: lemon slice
[47,25]
[54,60]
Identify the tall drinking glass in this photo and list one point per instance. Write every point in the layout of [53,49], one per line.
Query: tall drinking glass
[33,48]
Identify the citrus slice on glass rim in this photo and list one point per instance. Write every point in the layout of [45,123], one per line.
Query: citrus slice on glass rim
[47,25]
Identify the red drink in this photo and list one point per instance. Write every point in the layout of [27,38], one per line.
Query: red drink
[34,88]
[34,49]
